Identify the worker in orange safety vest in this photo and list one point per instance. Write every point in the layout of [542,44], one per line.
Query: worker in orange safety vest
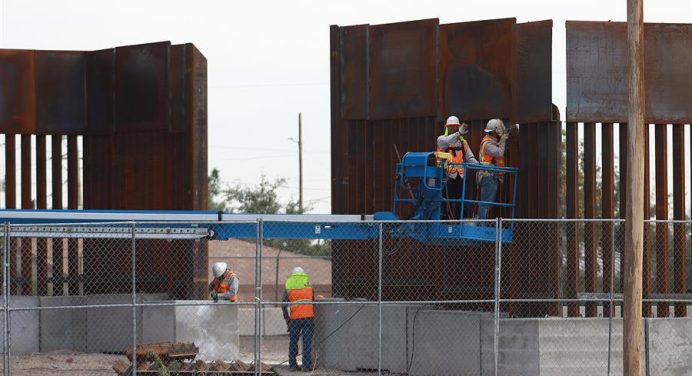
[452,152]
[492,153]
[299,315]
[224,286]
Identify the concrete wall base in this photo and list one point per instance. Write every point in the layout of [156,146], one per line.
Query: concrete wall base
[423,342]
[213,328]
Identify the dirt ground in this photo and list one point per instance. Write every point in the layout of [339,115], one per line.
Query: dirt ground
[274,352]
[64,363]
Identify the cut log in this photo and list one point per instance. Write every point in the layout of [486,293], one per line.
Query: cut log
[122,367]
[165,350]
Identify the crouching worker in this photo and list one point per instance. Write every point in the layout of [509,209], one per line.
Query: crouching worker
[299,313]
[224,286]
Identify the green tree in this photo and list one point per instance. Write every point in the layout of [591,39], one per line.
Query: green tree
[263,199]
[215,200]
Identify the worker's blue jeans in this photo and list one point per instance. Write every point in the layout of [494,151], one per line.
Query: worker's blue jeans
[488,193]
[296,328]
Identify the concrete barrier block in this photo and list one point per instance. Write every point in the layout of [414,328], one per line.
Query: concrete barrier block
[157,323]
[670,346]
[109,329]
[445,343]
[347,335]
[273,324]
[246,321]
[63,329]
[213,328]
[24,325]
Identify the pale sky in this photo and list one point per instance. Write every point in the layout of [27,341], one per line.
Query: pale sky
[269,60]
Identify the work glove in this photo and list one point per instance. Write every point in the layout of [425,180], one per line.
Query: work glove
[288,327]
[514,129]
[215,296]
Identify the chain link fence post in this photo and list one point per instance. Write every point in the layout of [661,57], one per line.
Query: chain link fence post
[6,300]
[379,302]
[612,282]
[258,295]
[134,301]
[498,268]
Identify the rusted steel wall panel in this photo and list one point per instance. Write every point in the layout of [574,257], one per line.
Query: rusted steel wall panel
[596,72]
[56,193]
[476,55]
[358,162]
[646,267]
[622,159]
[10,171]
[539,168]
[60,92]
[100,81]
[73,178]
[17,92]
[389,141]
[679,234]
[11,201]
[402,70]
[195,104]
[41,203]
[177,82]
[353,74]
[531,81]
[98,190]
[26,175]
[401,67]
[572,196]
[607,207]
[26,203]
[339,142]
[662,262]
[41,173]
[590,257]
[141,87]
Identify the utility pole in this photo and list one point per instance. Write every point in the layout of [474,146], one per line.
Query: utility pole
[300,162]
[634,225]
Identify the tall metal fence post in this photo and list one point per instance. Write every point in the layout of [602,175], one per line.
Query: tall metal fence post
[612,282]
[258,295]
[379,304]
[498,268]
[276,277]
[134,302]
[6,300]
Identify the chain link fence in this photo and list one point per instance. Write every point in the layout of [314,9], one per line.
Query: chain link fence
[498,297]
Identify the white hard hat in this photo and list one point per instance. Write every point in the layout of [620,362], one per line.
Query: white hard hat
[218,269]
[297,270]
[452,121]
[495,125]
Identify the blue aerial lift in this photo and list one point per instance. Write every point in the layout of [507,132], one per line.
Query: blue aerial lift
[419,175]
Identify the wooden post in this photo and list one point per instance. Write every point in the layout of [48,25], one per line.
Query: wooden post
[632,306]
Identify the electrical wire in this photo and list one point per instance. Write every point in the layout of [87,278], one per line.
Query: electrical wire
[333,331]
[409,362]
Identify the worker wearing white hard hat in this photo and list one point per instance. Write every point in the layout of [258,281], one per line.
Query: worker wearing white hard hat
[492,153]
[452,152]
[224,286]
[299,315]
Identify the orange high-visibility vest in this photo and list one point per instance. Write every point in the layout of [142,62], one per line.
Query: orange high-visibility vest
[456,162]
[487,159]
[298,299]
[222,286]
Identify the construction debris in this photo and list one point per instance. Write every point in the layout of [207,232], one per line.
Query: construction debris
[165,350]
[168,358]
[121,367]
